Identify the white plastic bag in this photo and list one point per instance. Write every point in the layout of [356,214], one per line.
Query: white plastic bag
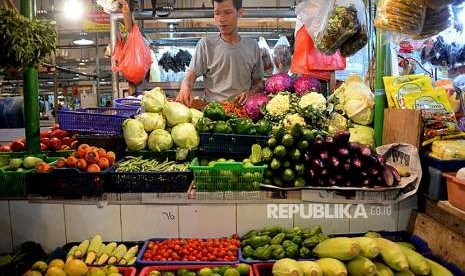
[266,56]
[154,69]
[282,55]
[108,6]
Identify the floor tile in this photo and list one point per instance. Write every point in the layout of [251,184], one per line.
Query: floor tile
[6,242]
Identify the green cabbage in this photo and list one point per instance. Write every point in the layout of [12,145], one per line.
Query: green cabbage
[177,113]
[153,100]
[134,134]
[196,115]
[363,135]
[185,136]
[337,122]
[160,140]
[152,121]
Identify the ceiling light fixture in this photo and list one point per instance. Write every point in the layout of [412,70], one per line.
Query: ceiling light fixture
[74,9]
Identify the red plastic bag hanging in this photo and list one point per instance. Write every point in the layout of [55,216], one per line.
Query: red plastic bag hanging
[133,60]
[307,60]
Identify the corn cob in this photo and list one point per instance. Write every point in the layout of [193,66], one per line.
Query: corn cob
[437,269]
[332,267]
[71,252]
[369,247]
[361,266]
[133,261]
[82,249]
[407,244]
[340,248]
[404,273]
[392,254]
[94,246]
[107,252]
[118,254]
[99,253]
[310,268]
[416,261]
[129,255]
[383,270]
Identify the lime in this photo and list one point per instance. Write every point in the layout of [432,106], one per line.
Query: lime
[190,273]
[244,269]
[288,140]
[231,272]
[216,274]
[280,151]
[221,160]
[224,268]
[181,272]
[168,273]
[154,273]
[206,271]
[216,270]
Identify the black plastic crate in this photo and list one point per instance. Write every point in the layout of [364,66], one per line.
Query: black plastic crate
[68,183]
[150,182]
[229,143]
[443,165]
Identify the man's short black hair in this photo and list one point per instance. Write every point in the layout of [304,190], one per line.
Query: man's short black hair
[237,3]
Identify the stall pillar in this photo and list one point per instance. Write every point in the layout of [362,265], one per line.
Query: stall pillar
[31,91]
[380,93]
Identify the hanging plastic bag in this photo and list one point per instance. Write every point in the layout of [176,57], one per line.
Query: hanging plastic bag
[135,59]
[336,21]
[109,6]
[356,42]
[266,56]
[406,17]
[307,60]
[436,21]
[282,55]
[154,69]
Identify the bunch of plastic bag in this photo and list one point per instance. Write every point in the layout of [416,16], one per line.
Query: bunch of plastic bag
[336,24]
[436,21]
[133,58]
[282,55]
[404,17]
[266,56]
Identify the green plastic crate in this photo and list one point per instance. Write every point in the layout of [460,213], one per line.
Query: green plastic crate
[227,176]
[13,183]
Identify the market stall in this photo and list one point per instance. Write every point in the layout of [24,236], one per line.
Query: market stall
[305,178]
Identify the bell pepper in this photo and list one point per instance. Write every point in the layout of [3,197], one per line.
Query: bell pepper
[297,240]
[257,241]
[312,231]
[311,242]
[305,253]
[248,252]
[278,239]
[278,252]
[250,234]
[322,237]
[292,251]
[263,127]
[288,243]
[204,125]
[263,252]
[222,127]
[295,231]
[242,125]
[214,111]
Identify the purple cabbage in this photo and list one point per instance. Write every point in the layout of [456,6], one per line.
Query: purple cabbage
[305,84]
[254,104]
[278,83]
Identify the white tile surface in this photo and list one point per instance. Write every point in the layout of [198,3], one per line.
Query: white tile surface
[405,210]
[324,215]
[255,216]
[141,222]
[42,223]
[84,221]
[6,243]
[378,217]
[207,221]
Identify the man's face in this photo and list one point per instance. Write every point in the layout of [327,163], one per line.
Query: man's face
[226,16]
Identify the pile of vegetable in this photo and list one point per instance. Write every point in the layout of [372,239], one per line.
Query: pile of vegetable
[94,252]
[139,164]
[87,159]
[216,120]
[22,164]
[368,255]
[54,139]
[225,270]
[276,243]
[282,82]
[232,109]
[164,125]
[212,250]
[73,267]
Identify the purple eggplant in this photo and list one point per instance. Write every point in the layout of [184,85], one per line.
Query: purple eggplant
[311,173]
[317,145]
[365,182]
[388,177]
[347,167]
[324,155]
[329,141]
[308,156]
[320,182]
[339,177]
[395,173]
[343,152]
[332,181]
[318,164]
[365,151]
[324,172]
[364,174]
[341,137]
[380,159]
[334,161]
[348,183]
[357,163]
[373,171]
[354,147]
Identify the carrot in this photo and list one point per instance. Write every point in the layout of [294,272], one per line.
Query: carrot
[76,154]
[81,164]
[43,167]
[231,108]
[102,153]
[82,149]
[61,163]
[71,161]
[93,168]
[91,157]
[103,163]
[111,157]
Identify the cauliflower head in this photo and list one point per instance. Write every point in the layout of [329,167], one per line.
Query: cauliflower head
[313,99]
[293,119]
[279,105]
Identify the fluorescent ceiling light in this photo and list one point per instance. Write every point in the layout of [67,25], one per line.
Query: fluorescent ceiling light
[74,9]
[83,42]
[169,20]
[290,19]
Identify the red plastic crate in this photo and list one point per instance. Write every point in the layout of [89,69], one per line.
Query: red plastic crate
[262,269]
[173,268]
[455,190]
[125,270]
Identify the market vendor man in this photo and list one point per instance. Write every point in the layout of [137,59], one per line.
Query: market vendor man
[231,65]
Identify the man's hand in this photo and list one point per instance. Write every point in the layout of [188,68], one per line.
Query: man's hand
[242,98]
[184,97]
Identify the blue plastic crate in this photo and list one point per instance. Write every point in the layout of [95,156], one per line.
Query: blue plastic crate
[253,261]
[443,165]
[127,103]
[141,262]
[456,271]
[229,143]
[95,120]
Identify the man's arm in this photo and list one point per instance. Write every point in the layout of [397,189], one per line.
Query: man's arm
[185,93]
[257,87]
